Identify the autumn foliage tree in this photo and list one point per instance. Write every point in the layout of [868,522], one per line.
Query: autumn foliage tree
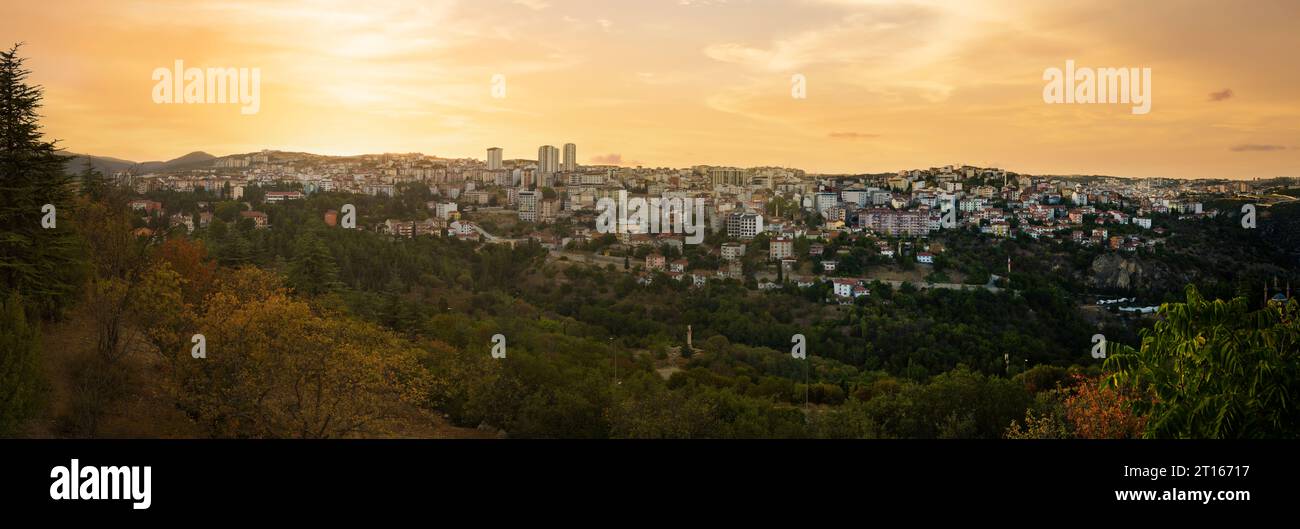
[275,368]
[1097,411]
[1082,407]
[190,260]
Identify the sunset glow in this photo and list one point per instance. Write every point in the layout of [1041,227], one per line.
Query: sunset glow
[890,85]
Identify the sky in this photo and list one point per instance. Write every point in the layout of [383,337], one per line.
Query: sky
[887,85]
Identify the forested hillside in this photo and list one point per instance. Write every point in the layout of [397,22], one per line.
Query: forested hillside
[307,330]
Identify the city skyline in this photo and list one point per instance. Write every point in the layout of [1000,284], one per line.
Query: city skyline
[889,85]
[495,159]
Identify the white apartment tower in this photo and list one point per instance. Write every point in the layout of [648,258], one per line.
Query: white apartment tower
[570,157]
[494,158]
[548,159]
[744,225]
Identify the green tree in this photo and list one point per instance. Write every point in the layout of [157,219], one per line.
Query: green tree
[93,183]
[313,271]
[1217,370]
[21,383]
[234,250]
[43,264]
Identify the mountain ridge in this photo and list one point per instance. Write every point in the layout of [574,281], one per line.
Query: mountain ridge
[109,165]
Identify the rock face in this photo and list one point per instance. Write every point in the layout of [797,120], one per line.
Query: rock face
[1113,271]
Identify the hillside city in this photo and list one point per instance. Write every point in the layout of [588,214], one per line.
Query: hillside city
[795,215]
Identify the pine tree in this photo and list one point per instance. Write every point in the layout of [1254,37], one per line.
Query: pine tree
[235,250]
[93,183]
[43,264]
[313,270]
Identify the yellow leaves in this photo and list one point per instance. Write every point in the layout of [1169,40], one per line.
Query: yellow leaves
[277,368]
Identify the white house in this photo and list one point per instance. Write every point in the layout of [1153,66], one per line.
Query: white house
[844,287]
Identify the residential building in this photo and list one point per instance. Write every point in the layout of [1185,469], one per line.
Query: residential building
[780,248]
[654,261]
[570,157]
[744,225]
[732,251]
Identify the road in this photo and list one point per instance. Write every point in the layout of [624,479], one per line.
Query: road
[601,260]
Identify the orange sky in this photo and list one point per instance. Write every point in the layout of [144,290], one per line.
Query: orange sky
[890,85]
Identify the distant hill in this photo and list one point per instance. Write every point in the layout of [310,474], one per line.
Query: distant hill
[108,166]
[104,164]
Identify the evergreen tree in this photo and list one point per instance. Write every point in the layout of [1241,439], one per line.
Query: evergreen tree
[313,270]
[93,183]
[43,264]
[21,384]
[235,250]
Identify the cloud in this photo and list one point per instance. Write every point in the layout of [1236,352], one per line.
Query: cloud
[1256,147]
[898,33]
[1220,96]
[852,135]
[535,5]
[607,159]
